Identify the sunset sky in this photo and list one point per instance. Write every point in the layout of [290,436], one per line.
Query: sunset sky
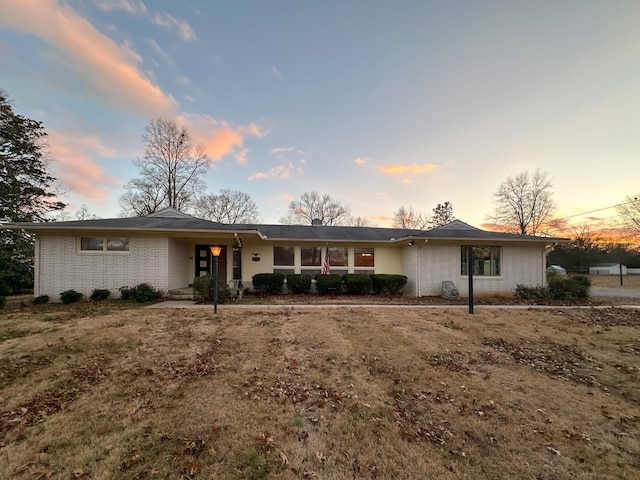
[376,103]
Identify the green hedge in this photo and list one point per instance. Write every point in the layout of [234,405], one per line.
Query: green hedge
[268,283]
[558,288]
[70,296]
[388,284]
[299,283]
[203,290]
[356,284]
[99,294]
[141,293]
[575,286]
[330,283]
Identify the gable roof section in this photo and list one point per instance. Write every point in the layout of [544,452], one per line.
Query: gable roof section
[170,220]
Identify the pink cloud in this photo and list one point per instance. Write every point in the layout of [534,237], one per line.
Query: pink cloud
[280,171]
[74,164]
[361,160]
[219,138]
[109,68]
[286,196]
[413,169]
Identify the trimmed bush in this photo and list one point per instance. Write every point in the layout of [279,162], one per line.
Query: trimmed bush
[140,293]
[99,294]
[388,284]
[331,283]
[41,300]
[356,284]
[203,290]
[576,286]
[532,293]
[299,283]
[268,283]
[70,296]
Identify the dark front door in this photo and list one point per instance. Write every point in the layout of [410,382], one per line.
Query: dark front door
[204,263]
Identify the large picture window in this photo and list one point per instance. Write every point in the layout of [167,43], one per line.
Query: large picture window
[283,256]
[104,244]
[338,256]
[310,256]
[363,257]
[486,261]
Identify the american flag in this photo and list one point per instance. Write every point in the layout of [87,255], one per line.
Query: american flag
[326,264]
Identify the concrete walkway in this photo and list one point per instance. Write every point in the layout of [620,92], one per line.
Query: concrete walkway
[234,306]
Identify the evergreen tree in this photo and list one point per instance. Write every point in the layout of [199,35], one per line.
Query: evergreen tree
[26,192]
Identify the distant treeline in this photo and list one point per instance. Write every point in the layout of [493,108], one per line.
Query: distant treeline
[578,259]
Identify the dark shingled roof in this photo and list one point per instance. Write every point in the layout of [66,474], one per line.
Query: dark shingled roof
[172,220]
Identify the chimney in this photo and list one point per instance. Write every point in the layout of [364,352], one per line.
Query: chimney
[316,222]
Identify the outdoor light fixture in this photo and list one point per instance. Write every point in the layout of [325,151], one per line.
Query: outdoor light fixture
[215,251]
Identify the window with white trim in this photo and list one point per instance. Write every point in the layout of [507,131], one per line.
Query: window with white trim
[486,261]
[104,244]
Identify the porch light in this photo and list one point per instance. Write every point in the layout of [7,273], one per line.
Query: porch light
[215,250]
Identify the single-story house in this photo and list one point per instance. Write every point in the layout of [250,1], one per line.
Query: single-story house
[607,269]
[168,249]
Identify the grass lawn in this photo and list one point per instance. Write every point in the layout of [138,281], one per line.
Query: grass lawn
[92,391]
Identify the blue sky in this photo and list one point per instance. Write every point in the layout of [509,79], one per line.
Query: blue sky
[377,103]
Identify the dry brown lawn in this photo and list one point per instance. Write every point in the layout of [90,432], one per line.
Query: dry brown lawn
[300,393]
[629,282]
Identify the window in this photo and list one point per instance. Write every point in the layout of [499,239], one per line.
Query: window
[283,256]
[486,261]
[338,257]
[104,244]
[310,256]
[363,257]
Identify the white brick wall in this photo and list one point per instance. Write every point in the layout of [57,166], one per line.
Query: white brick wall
[60,266]
[519,265]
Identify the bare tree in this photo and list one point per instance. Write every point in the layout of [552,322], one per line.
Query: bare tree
[629,212]
[442,214]
[361,222]
[410,219]
[228,206]
[524,203]
[584,237]
[171,170]
[313,206]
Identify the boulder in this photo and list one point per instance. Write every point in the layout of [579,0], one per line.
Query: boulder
[449,290]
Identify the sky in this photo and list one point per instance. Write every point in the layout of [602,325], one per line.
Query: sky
[379,104]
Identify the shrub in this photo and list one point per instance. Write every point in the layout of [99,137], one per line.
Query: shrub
[330,283]
[203,290]
[41,300]
[388,284]
[3,302]
[268,283]
[70,296]
[299,283]
[576,286]
[356,284]
[141,293]
[532,293]
[99,294]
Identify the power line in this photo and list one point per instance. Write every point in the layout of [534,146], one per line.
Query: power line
[598,210]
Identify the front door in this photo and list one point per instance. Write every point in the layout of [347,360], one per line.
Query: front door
[204,263]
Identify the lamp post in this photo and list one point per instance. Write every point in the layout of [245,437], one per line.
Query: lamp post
[215,251]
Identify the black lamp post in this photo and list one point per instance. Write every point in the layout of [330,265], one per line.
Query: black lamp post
[215,251]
